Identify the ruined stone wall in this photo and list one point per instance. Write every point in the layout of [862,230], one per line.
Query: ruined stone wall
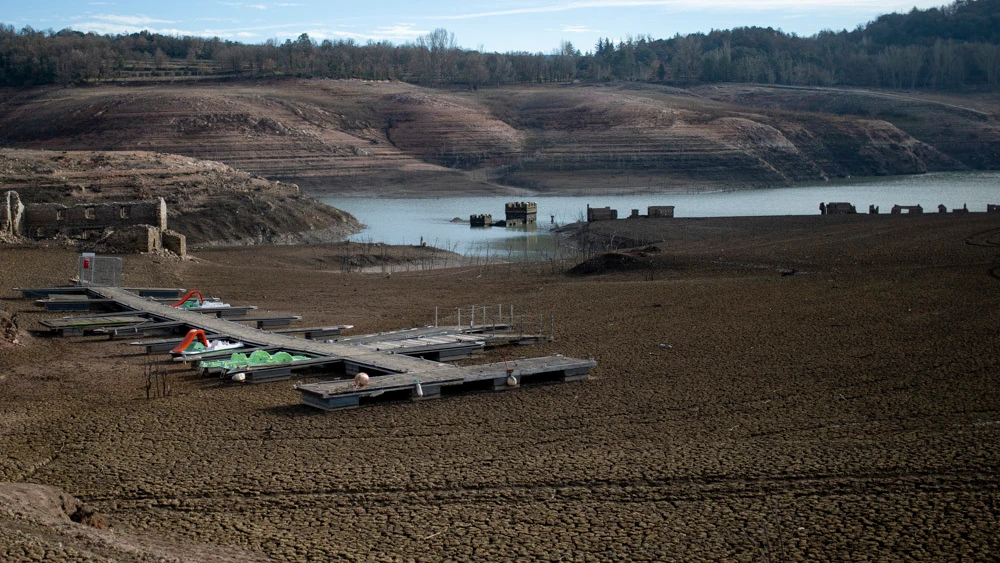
[11,215]
[174,242]
[135,238]
[51,219]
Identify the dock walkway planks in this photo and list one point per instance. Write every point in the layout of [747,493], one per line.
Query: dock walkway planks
[355,357]
[427,385]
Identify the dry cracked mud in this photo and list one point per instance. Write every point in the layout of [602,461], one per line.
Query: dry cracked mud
[848,412]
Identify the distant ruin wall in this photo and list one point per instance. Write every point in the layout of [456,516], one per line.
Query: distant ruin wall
[44,220]
[907,210]
[601,214]
[660,211]
[840,208]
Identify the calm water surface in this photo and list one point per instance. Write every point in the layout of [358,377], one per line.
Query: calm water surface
[412,220]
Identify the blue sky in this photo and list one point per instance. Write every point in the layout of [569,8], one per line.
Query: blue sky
[498,25]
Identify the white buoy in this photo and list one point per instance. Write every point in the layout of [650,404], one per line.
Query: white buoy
[239,377]
[420,390]
[511,381]
[361,379]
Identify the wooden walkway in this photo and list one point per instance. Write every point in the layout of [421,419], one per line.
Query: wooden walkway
[390,359]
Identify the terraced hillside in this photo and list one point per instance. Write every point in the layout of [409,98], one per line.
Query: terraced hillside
[390,138]
[963,127]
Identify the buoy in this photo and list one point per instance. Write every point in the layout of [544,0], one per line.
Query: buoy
[511,381]
[361,379]
[239,377]
[420,390]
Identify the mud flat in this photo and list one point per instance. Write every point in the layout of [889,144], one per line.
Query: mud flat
[799,389]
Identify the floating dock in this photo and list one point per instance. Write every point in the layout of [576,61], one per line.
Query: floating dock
[401,364]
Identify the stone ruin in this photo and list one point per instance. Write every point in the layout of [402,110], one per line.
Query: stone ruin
[665,211]
[521,213]
[907,210]
[138,226]
[839,208]
[483,220]
[601,214]
[655,212]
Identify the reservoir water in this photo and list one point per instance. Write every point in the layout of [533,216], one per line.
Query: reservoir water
[402,221]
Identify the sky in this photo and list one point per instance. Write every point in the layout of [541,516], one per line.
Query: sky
[497,25]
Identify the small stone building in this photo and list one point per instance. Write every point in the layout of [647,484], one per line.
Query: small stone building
[601,214]
[521,213]
[660,211]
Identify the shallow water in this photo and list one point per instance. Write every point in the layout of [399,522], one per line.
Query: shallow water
[415,220]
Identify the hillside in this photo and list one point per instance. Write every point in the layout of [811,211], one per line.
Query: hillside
[396,139]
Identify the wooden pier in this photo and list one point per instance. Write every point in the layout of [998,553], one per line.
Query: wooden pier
[402,364]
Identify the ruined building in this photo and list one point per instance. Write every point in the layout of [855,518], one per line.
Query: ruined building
[484,220]
[139,226]
[601,214]
[521,213]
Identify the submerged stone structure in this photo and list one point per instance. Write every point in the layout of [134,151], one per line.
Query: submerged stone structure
[483,220]
[521,213]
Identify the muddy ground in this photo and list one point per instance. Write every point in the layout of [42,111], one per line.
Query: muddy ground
[821,389]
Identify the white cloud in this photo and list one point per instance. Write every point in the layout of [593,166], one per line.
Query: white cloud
[129,21]
[257,6]
[578,29]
